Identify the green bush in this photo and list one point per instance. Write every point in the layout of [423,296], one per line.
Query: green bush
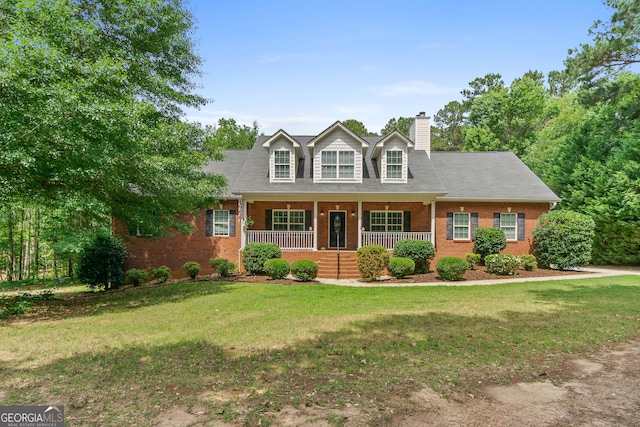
[451,268]
[489,241]
[161,274]
[276,268]
[372,260]
[192,268]
[617,242]
[136,276]
[222,266]
[420,251]
[564,239]
[528,262]
[472,260]
[101,263]
[401,267]
[304,270]
[255,255]
[502,264]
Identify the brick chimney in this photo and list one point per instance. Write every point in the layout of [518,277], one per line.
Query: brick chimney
[420,132]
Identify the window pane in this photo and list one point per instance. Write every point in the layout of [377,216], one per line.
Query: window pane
[508,225]
[282,171]
[346,171]
[329,171]
[461,225]
[282,157]
[394,157]
[329,157]
[221,223]
[347,157]
[394,171]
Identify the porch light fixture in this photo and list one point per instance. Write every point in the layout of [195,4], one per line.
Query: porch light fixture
[353,213]
[321,212]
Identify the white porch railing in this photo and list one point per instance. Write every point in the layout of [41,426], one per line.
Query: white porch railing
[287,240]
[389,239]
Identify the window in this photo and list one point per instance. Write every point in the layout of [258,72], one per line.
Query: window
[220,223]
[387,221]
[394,164]
[288,220]
[338,164]
[282,164]
[461,226]
[508,223]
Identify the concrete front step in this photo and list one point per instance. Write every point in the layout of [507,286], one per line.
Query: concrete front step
[328,266]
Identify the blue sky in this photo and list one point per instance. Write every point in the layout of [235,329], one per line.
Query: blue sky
[302,65]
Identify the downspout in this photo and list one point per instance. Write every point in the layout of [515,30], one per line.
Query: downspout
[553,205]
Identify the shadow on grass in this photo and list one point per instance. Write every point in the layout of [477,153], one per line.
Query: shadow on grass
[374,364]
[91,304]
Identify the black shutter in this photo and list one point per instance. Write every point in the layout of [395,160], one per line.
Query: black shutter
[407,221]
[267,219]
[307,220]
[209,223]
[474,224]
[367,220]
[449,225]
[232,223]
[496,220]
[521,226]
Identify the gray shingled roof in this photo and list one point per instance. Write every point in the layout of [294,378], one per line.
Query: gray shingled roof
[495,176]
[490,176]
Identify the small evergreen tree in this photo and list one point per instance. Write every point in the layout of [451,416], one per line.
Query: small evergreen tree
[101,263]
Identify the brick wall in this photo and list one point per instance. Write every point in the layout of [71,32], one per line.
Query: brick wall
[485,212]
[176,249]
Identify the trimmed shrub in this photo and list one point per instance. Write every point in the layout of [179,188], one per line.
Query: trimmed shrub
[420,251]
[135,276]
[489,241]
[255,255]
[502,264]
[304,270]
[222,266]
[472,260]
[451,268]
[161,274]
[101,263]
[564,239]
[401,267]
[276,268]
[528,262]
[192,268]
[372,260]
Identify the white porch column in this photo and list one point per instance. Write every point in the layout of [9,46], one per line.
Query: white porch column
[315,225]
[243,229]
[433,223]
[359,223]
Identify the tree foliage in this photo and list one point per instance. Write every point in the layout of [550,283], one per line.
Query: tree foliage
[401,124]
[357,127]
[564,239]
[92,95]
[230,135]
[101,263]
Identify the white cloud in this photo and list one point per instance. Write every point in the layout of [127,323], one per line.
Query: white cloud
[412,87]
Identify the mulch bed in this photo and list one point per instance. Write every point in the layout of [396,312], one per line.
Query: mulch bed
[480,273]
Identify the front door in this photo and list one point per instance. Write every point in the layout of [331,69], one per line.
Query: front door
[337,220]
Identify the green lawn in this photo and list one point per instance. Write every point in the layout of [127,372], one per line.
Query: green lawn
[128,355]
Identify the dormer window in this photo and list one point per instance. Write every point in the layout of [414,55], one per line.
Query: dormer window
[394,164]
[282,164]
[338,164]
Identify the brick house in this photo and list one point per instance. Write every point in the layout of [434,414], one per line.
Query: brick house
[378,189]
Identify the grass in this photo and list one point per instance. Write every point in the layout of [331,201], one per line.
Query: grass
[243,351]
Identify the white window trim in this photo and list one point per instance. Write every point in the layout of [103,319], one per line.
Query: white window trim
[515,226]
[275,165]
[221,222]
[273,219]
[386,221]
[468,215]
[337,165]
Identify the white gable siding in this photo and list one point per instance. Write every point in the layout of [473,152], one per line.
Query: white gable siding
[394,145]
[282,145]
[337,141]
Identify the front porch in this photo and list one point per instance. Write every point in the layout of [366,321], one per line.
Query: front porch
[306,240]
